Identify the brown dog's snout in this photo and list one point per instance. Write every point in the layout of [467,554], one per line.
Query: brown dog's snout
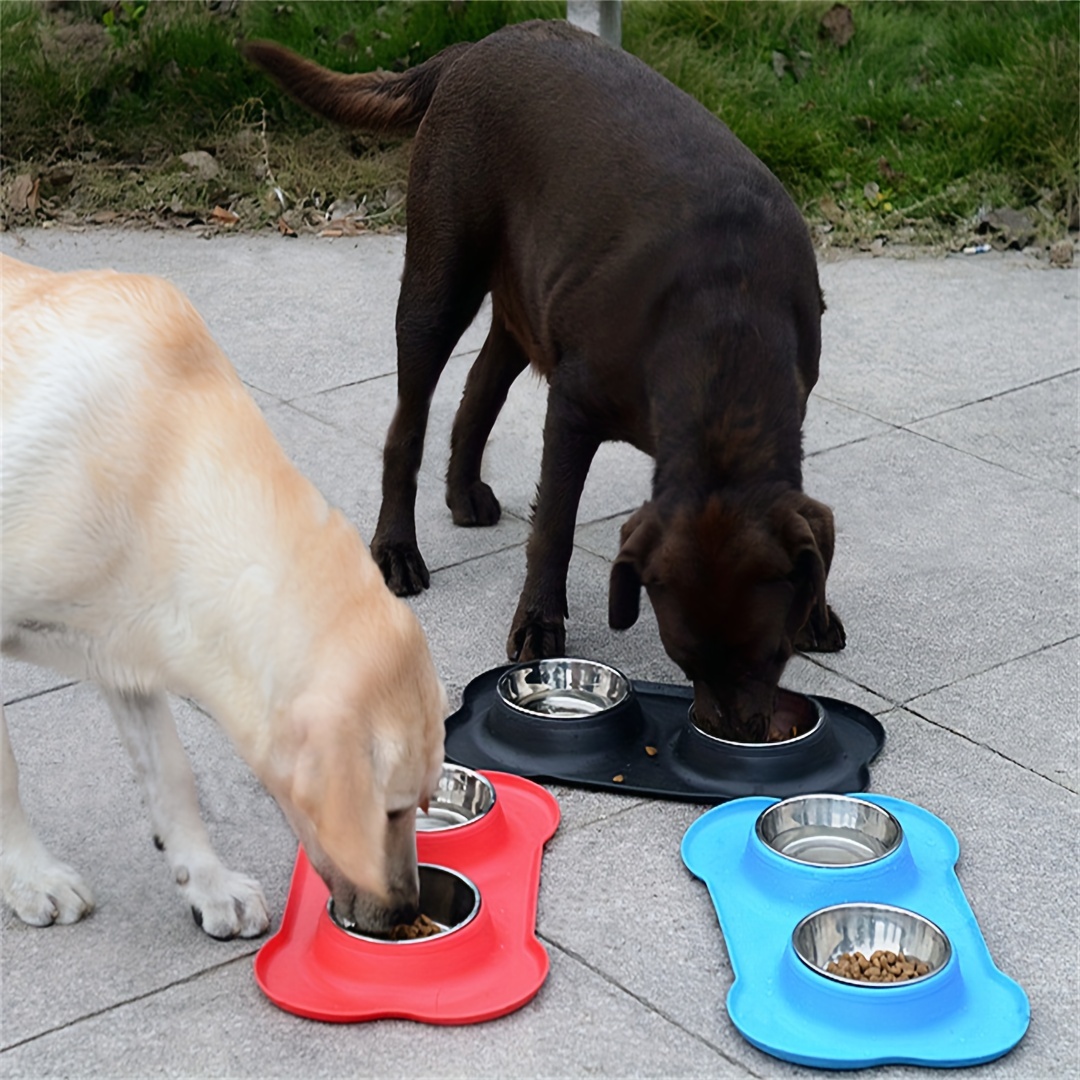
[740,713]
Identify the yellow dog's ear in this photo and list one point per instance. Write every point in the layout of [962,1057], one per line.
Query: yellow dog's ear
[334,788]
[639,536]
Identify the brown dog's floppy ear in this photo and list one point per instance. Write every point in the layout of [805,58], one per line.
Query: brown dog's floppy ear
[638,535]
[808,536]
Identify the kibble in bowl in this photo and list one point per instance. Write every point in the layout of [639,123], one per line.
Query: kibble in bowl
[448,902]
[871,945]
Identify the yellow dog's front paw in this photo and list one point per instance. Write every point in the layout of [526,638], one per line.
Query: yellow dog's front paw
[223,903]
[42,891]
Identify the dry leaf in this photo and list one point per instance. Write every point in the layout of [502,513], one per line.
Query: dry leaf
[24,194]
[285,228]
[201,163]
[831,209]
[1061,253]
[838,25]
[886,170]
[223,216]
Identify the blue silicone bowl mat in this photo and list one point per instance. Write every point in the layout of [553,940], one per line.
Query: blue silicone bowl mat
[970,1012]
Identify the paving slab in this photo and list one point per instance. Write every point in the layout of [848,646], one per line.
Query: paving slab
[1017,834]
[945,564]
[19,680]
[224,1027]
[1032,430]
[675,960]
[294,315]
[349,473]
[80,793]
[619,481]
[943,433]
[1024,709]
[905,339]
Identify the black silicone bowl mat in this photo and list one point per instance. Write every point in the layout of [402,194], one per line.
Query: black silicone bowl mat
[608,751]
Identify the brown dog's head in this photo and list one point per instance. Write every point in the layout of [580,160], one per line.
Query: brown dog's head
[359,752]
[731,584]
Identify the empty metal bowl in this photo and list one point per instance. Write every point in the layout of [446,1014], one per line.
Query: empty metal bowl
[830,932]
[829,830]
[563,689]
[447,898]
[797,717]
[462,797]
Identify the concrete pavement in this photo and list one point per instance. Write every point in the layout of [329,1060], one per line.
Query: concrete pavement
[943,433]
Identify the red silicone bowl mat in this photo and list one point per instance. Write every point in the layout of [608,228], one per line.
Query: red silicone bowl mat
[490,967]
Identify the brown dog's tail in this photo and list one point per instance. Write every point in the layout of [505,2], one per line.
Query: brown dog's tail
[376,101]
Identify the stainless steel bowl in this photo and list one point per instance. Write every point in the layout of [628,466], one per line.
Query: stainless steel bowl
[563,689]
[462,797]
[447,898]
[829,830]
[830,932]
[807,713]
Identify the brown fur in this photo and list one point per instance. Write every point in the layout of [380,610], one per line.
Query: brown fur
[658,275]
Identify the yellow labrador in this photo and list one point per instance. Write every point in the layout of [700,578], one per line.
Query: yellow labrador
[156,538]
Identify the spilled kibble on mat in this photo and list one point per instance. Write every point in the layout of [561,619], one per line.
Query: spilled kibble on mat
[420,927]
[884,966]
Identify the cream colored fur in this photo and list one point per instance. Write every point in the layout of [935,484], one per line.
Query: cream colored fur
[156,538]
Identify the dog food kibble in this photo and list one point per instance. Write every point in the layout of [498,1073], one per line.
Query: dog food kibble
[420,927]
[618,778]
[651,751]
[884,966]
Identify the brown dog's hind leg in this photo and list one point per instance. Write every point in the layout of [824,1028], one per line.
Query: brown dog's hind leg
[433,312]
[501,360]
[538,629]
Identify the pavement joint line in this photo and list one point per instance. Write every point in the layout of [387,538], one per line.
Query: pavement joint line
[41,693]
[992,667]
[814,658]
[993,397]
[985,746]
[116,1005]
[475,558]
[366,379]
[250,386]
[646,1004]
[893,428]
[566,831]
[1038,480]
[342,386]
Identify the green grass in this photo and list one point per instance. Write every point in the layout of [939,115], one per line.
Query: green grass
[946,107]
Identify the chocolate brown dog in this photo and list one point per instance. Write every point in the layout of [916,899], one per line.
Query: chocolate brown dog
[659,276]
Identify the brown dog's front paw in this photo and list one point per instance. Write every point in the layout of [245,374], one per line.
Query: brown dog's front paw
[476,505]
[402,567]
[535,638]
[821,635]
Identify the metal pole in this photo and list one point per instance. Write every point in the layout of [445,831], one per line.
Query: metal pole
[600,17]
